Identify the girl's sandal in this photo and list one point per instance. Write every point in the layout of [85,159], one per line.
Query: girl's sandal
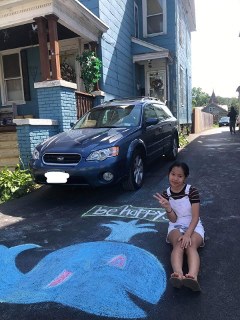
[176,280]
[191,283]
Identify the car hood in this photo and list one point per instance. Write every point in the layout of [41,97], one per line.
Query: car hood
[77,140]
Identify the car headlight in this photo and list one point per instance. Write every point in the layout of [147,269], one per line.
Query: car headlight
[35,154]
[103,154]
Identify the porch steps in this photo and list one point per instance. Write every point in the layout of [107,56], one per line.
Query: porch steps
[9,153]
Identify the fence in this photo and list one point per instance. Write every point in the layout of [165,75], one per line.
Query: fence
[201,120]
[84,102]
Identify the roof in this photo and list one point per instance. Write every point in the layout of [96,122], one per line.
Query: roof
[71,13]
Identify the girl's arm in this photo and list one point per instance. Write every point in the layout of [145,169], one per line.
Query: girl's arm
[186,238]
[195,218]
[166,205]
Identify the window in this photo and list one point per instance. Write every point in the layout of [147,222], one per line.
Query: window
[149,112]
[154,12]
[12,79]
[162,115]
[136,21]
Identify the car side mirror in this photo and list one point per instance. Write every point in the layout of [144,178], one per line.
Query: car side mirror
[72,124]
[151,121]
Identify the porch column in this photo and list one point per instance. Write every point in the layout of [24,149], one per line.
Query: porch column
[43,48]
[54,46]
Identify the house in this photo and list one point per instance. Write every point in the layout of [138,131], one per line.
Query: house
[215,109]
[144,46]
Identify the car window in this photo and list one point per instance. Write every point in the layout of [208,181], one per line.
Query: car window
[149,112]
[166,109]
[161,114]
[112,116]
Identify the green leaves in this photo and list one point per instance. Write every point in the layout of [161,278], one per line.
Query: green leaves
[90,69]
[183,141]
[14,184]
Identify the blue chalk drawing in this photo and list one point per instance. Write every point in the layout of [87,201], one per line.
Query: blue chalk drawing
[95,277]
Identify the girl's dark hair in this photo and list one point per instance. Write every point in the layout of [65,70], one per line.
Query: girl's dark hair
[182,165]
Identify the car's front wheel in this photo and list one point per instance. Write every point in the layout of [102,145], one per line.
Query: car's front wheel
[134,181]
[172,155]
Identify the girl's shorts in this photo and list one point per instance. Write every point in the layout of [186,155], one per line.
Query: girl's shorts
[199,229]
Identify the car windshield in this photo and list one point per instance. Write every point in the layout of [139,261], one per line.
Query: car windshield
[112,116]
[226,119]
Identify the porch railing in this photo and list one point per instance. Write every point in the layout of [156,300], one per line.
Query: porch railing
[84,102]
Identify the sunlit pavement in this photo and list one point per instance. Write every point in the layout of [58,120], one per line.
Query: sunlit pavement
[58,264]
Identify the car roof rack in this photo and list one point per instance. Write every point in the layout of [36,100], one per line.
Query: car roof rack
[142,98]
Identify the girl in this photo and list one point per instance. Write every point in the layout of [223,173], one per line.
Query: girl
[185,232]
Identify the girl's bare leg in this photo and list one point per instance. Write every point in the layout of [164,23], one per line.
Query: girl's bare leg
[177,252]
[193,256]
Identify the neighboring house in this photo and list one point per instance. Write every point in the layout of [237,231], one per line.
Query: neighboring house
[215,109]
[144,45]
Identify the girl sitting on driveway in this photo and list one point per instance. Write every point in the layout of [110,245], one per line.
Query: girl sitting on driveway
[185,232]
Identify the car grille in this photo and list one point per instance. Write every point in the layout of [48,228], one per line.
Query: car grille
[61,158]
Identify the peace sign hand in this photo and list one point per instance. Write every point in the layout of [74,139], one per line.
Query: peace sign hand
[163,202]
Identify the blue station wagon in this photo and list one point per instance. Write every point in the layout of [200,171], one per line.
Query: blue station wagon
[111,143]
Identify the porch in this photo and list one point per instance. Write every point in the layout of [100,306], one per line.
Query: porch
[32,77]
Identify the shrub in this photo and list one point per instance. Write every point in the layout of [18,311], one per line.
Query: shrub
[183,141]
[90,69]
[14,184]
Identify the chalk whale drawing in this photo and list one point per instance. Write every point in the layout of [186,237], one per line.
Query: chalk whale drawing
[95,277]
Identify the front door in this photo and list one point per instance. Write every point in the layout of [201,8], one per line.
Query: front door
[156,84]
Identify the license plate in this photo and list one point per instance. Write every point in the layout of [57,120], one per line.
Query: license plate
[56,177]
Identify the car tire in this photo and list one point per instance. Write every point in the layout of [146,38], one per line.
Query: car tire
[172,155]
[135,178]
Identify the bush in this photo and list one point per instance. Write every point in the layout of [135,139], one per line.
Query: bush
[90,69]
[14,184]
[183,141]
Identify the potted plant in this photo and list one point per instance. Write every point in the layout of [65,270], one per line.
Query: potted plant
[90,69]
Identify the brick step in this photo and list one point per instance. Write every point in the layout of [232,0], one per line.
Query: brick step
[8,136]
[8,153]
[8,145]
[11,168]
[9,162]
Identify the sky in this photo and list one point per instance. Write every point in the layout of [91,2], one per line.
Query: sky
[216,47]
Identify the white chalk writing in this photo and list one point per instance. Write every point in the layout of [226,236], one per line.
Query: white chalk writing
[128,211]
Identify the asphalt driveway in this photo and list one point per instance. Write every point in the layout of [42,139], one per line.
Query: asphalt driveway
[77,253]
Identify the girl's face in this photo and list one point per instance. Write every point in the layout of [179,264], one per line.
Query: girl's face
[177,178]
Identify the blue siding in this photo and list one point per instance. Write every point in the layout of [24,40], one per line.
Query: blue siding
[183,53]
[138,49]
[118,69]
[92,5]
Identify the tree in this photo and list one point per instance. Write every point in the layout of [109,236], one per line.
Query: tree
[199,98]
[228,101]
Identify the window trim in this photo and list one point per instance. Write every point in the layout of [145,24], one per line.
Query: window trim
[181,87]
[136,20]
[144,9]
[3,81]
[181,33]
